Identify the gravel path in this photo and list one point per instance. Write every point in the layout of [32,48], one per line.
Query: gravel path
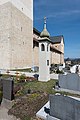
[4,114]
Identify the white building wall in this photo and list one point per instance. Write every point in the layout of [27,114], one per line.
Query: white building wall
[44,69]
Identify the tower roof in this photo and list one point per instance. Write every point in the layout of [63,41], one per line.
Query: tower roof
[45,33]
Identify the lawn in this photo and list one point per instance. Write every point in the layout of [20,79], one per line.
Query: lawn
[36,87]
[30,96]
[41,86]
[26,105]
[23,70]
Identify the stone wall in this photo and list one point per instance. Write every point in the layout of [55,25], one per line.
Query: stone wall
[5,29]
[16,34]
[62,58]
[25,6]
[21,39]
[55,58]
[36,56]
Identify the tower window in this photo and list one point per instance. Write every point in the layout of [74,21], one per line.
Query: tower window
[47,47]
[47,62]
[42,47]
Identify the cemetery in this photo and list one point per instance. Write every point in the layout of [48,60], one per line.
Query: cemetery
[34,82]
[30,95]
[65,104]
[26,94]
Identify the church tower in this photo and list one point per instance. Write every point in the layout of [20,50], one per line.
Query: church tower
[16,33]
[44,55]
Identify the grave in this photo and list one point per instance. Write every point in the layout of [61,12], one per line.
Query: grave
[8,95]
[8,89]
[70,82]
[64,107]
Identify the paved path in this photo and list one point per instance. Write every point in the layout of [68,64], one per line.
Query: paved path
[19,73]
[4,114]
[54,76]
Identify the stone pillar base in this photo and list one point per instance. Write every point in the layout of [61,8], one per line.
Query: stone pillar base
[7,103]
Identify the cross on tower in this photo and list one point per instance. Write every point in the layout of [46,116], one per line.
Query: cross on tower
[45,19]
[44,22]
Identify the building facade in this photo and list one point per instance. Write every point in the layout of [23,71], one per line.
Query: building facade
[16,33]
[56,48]
[19,45]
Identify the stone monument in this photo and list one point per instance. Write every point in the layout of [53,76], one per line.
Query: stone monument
[65,107]
[70,82]
[8,96]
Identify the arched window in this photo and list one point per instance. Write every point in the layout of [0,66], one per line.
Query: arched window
[42,47]
[47,47]
[47,62]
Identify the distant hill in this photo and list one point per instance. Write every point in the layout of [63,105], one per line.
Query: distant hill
[73,60]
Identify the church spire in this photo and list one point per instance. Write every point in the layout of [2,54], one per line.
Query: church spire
[45,33]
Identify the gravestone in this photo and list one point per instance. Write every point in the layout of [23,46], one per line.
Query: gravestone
[64,107]
[70,81]
[8,85]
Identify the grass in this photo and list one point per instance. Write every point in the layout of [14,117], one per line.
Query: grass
[46,87]
[27,105]
[37,86]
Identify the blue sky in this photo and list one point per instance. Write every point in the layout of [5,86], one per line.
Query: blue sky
[63,18]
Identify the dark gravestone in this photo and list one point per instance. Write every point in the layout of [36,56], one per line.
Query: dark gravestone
[36,76]
[8,85]
[64,107]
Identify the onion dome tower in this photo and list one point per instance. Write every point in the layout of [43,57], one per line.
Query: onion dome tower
[44,54]
[45,33]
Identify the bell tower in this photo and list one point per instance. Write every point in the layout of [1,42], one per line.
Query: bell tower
[44,54]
